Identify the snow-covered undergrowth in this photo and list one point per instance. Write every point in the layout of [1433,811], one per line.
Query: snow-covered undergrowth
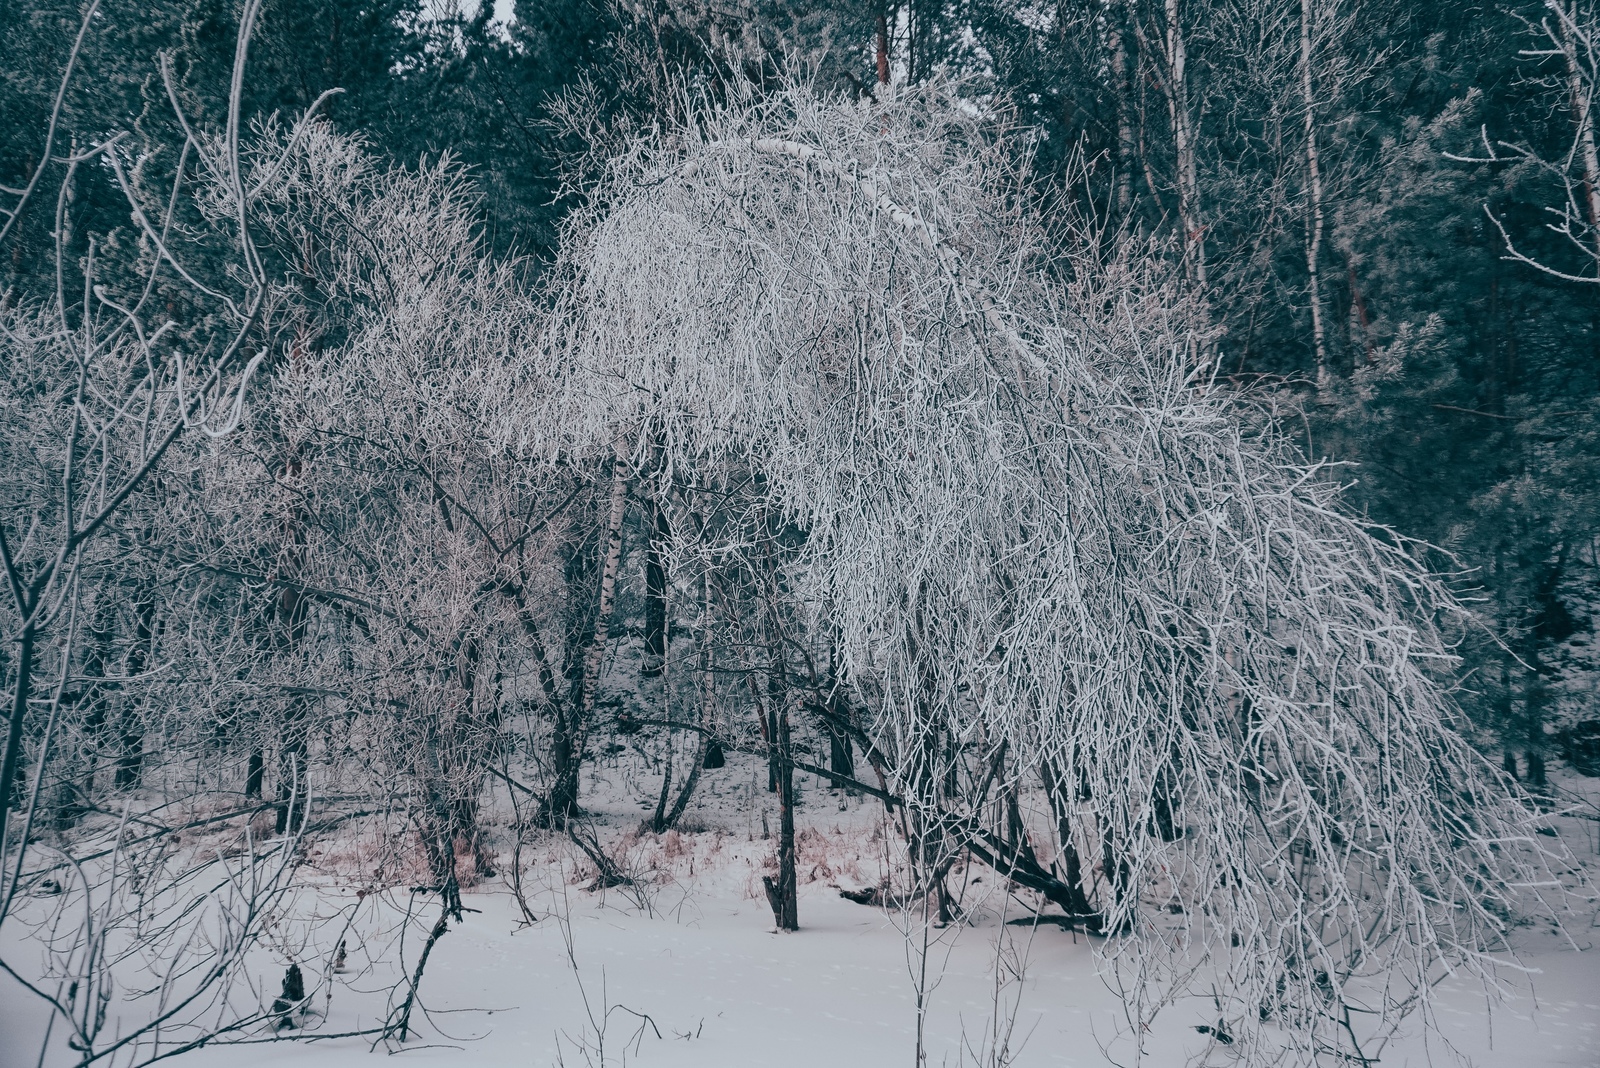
[683,966]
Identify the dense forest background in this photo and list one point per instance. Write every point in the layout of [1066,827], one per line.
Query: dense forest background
[1387,206]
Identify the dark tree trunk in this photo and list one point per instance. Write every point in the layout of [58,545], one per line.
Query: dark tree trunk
[655,593]
[1536,772]
[1122,85]
[883,47]
[1164,806]
[1061,805]
[96,699]
[292,775]
[130,759]
[703,757]
[766,718]
[782,894]
[294,742]
[22,691]
[255,773]
[841,757]
[573,718]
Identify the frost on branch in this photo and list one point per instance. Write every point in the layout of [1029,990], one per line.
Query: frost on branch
[1031,525]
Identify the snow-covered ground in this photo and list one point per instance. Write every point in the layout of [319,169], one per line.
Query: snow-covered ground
[689,971]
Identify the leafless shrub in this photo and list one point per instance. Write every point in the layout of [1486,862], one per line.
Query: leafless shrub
[110,395]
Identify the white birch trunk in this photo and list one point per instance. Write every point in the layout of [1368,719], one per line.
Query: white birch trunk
[1314,215]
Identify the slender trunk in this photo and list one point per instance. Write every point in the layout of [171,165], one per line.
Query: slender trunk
[1183,141]
[841,757]
[294,739]
[1115,867]
[708,697]
[1533,702]
[782,895]
[787,875]
[767,721]
[130,760]
[475,723]
[655,592]
[1122,84]
[292,613]
[255,773]
[936,858]
[96,699]
[1583,117]
[913,45]
[883,47]
[21,693]
[1358,302]
[658,822]
[1163,803]
[1061,806]
[1146,167]
[402,1025]
[1314,216]
[572,727]
[292,754]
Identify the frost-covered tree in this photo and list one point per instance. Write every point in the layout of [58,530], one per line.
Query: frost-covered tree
[386,505]
[999,484]
[142,343]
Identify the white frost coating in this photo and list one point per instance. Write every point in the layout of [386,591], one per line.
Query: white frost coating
[1044,526]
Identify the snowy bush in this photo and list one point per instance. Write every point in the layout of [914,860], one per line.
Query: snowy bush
[997,480]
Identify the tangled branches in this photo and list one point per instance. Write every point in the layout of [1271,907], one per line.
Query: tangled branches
[1022,515]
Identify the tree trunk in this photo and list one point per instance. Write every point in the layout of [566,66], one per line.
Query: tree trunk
[21,693]
[130,758]
[655,592]
[841,757]
[292,753]
[782,895]
[766,719]
[1314,213]
[293,611]
[1583,118]
[1061,806]
[572,723]
[1533,702]
[96,698]
[708,697]
[255,773]
[1183,142]
[1114,865]
[883,47]
[293,745]
[1122,85]
[1358,304]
